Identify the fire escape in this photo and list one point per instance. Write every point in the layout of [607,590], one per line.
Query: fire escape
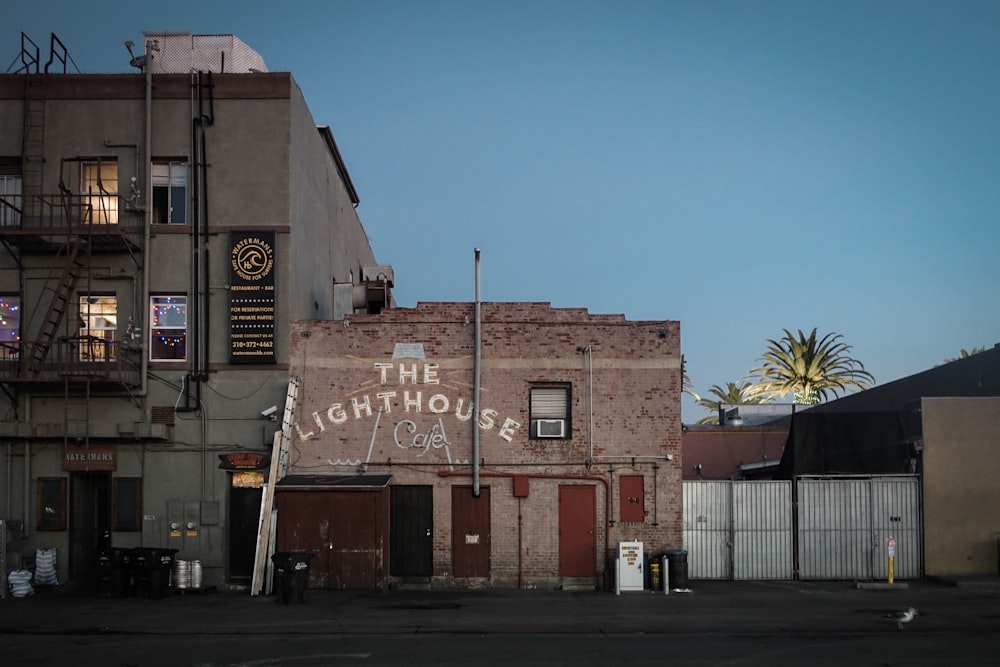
[57,235]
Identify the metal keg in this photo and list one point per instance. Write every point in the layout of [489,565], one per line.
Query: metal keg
[182,574]
[196,574]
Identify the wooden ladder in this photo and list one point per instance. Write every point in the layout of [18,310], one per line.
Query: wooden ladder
[267,521]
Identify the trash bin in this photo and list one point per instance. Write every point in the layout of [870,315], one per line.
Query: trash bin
[108,560]
[677,568]
[151,568]
[291,572]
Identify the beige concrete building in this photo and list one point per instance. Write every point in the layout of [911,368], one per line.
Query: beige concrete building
[161,228]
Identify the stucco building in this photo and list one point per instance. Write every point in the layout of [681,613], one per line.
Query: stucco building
[161,228]
[495,444]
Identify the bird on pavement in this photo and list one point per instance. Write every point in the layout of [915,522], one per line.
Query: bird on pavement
[902,617]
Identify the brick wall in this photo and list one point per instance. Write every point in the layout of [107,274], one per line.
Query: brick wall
[393,393]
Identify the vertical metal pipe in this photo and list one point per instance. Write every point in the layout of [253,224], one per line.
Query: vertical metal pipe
[475,386]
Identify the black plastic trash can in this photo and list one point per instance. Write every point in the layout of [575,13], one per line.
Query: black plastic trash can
[151,571]
[107,563]
[677,568]
[291,575]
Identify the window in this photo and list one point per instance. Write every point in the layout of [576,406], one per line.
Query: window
[168,330]
[10,327]
[52,503]
[549,411]
[126,498]
[98,327]
[170,193]
[100,192]
[10,200]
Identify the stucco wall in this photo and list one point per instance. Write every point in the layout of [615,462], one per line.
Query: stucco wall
[961,459]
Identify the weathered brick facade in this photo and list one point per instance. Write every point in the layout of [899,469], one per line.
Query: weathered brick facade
[393,393]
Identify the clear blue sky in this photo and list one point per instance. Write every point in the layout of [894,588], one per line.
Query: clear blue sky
[742,167]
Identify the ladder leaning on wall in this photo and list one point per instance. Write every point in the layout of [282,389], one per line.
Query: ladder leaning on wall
[268,515]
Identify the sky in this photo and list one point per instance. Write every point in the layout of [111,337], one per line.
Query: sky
[743,167]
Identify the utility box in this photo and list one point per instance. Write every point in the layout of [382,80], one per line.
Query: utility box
[630,574]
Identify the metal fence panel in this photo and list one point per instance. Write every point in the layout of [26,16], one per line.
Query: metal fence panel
[896,514]
[707,518]
[834,529]
[762,530]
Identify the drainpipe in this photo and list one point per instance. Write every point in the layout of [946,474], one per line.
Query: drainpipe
[475,386]
[143,315]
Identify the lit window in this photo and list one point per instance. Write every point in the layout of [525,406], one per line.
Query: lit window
[170,193]
[10,327]
[549,411]
[100,192]
[168,328]
[98,327]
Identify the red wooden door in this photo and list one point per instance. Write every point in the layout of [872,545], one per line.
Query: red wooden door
[470,531]
[577,542]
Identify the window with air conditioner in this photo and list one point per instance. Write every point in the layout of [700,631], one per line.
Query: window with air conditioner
[549,411]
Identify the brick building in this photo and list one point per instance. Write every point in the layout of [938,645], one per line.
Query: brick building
[398,475]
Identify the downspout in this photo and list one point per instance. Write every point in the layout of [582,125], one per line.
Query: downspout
[476,371]
[144,315]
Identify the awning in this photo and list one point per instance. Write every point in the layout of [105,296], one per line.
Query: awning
[333,481]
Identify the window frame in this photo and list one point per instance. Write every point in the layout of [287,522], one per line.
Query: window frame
[48,489]
[126,494]
[158,329]
[10,327]
[90,349]
[103,204]
[169,192]
[12,192]
[545,404]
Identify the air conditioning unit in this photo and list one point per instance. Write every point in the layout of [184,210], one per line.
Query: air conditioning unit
[549,428]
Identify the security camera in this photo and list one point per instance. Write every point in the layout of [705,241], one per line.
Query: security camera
[269,412]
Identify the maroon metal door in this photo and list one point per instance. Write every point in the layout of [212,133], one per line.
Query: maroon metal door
[577,543]
[346,531]
[304,525]
[470,531]
[355,555]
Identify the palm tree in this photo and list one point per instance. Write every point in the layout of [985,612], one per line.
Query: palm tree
[733,393]
[966,354]
[808,369]
[687,386]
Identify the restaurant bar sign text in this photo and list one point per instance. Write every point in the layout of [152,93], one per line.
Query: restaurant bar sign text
[251,297]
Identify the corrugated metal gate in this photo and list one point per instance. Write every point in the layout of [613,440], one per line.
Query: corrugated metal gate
[738,530]
[845,524]
[745,529]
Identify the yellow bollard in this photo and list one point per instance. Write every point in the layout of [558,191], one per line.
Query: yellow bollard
[890,544]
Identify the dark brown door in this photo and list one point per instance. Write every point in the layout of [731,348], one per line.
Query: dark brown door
[90,519]
[304,524]
[346,532]
[244,515]
[577,512]
[470,531]
[355,553]
[411,531]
